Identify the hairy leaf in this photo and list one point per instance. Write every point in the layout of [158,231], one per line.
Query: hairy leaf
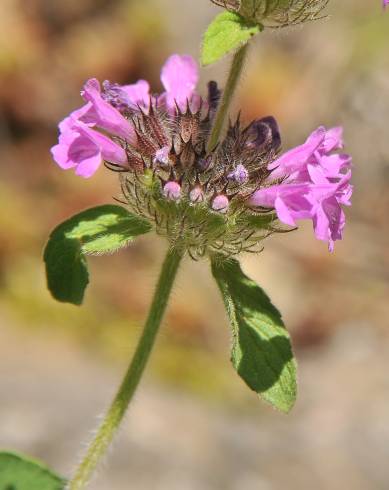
[99,230]
[20,473]
[261,349]
[228,31]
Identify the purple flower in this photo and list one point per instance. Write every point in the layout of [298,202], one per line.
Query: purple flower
[313,183]
[165,137]
[80,146]
[179,77]
[104,115]
[122,96]
[84,148]
[385,3]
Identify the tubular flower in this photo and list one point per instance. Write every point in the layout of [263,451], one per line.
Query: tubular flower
[84,148]
[276,13]
[314,183]
[222,201]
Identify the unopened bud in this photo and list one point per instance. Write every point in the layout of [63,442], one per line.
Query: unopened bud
[196,194]
[239,175]
[162,155]
[172,190]
[220,203]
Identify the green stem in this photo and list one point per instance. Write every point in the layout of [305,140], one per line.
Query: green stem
[228,93]
[117,410]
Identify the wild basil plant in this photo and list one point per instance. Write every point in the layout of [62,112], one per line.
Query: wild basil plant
[212,192]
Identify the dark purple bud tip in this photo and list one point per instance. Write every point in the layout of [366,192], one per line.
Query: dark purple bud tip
[172,191]
[264,134]
[214,94]
[220,203]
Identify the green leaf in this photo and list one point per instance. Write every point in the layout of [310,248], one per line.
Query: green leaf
[261,349]
[228,31]
[99,230]
[20,473]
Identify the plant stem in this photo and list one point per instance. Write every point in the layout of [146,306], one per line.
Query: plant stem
[228,93]
[117,410]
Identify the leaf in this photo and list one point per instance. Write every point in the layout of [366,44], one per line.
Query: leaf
[261,349]
[20,473]
[226,32]
[99,230]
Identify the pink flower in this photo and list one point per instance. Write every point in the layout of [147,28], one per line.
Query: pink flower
[103,115]
[179,77]
[314,184]
[85,148]
[385,3]
[136,94]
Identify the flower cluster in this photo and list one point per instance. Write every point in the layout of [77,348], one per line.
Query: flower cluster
[315,185]
[277,13]
[221,201]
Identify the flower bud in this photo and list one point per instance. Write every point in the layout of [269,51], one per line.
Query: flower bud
[220,203]
[263,134]
[196,194]
[239,175]
[162,156]
[172,190]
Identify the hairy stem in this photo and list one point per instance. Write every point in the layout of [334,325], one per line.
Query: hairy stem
[118,408]
[228,93]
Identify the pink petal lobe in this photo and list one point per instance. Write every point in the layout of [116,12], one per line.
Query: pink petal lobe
[179,76]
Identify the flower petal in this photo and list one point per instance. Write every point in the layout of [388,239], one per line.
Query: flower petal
[105,116]
[283,212]
[333,140]
[133,95]
[84,148]
[179,76]
[296,159]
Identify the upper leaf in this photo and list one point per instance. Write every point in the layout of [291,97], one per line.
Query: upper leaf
[226,32]
[261,349]
[99,230]
[20,473]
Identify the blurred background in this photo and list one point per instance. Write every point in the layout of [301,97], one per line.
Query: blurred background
[194,424]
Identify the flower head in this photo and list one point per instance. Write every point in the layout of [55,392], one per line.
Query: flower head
[222,201]
[279,13]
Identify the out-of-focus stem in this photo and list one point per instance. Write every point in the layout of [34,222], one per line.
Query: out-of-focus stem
[228,93]
[118,408]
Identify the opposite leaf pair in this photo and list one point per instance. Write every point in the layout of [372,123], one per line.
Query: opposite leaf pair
[261,350]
